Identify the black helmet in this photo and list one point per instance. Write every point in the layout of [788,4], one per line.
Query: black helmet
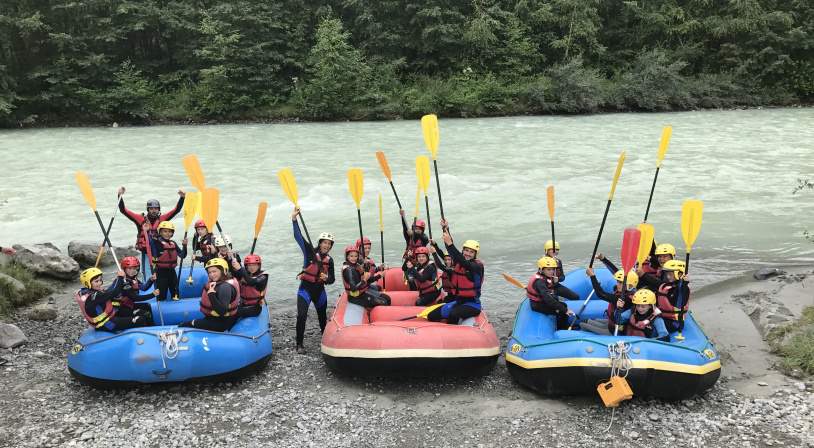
[153,203]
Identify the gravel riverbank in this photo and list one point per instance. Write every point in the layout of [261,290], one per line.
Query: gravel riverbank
[297,401]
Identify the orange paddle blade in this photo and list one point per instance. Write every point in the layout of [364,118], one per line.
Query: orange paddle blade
[87,191]
[261,217]
[550,196]
[194,172]
[384,165]
[211,203]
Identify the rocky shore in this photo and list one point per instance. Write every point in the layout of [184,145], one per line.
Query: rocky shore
[297,401]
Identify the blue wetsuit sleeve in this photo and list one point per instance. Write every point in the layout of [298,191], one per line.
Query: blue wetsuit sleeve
[661,329]
[304,247]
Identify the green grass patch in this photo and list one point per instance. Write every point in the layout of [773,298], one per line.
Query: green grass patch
[34,290]
[795,344]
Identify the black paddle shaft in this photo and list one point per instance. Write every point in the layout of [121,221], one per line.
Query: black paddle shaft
[652,189]
[307,236]
[438,186]
[553,240]
[102,226]
[381,242]
[254,244]
[181,267]
[395,194]
[361,236]
[599,236]
[427,206]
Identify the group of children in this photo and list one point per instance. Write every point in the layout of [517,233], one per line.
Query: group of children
[456,287]
[234,289]
[650,301]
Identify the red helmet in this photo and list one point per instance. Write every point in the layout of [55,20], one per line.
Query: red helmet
[130,262]
[420,224]
[200,223]
[252,259]
[351,248]
[422,250]
[365,239]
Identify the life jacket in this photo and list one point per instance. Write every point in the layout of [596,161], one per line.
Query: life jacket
[169,256]
[532,293]
[633,330]
[446,282]
[361,271]
[206,246]
[206,305]
[319,265]
[412,245]
[152,232]
[95,320]
[648,268]
[666,300]
[464,285]
[611,311]
[371,266]
[250,295]
[428,286]
[124,300]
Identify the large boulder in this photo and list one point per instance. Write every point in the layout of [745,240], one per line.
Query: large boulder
[17,287]
[46,259]
[43,312]
[765,273]
[11,336]
[85,253]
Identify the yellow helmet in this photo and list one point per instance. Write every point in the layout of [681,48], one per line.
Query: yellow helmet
[551,245]
[665,249]
[632,278]
[472,244]
[88,275]
[675,266]
[218,262]
[166,225]
[547,262]
[644,297]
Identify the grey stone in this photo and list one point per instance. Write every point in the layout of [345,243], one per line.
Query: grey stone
[11,336]
[654,417]
[17,287]
[46,259]
[42,313]
[763,274]
[85,253]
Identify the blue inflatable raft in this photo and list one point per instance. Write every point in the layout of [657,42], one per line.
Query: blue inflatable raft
[567,362]
[167,353]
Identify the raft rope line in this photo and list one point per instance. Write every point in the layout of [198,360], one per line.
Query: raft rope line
[620,364]
[129,332]
[169,344]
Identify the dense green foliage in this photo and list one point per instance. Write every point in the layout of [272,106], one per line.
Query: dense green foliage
[34,290]
[148,60]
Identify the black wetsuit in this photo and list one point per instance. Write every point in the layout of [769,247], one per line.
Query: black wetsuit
[353,279]
[456,307]
[550,304]
[220,299]
[311,292]
[257,282]
[97,300]
[414,240]
[422,274]
[166,279]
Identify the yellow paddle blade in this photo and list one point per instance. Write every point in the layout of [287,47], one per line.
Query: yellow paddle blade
[383,164]
[619,165]
[429,126]
[356,184]
[422,171]
[666,133]
[211,203]
[194,172]
[289,184]
[550,196]
[426,311]
[87,191]
[647,232]
[190,208]
[513,280]
[261,217]
[417,201]
[691,215]
[381,215]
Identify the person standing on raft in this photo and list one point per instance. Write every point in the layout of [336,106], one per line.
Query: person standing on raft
[317,271]
[99,306]
[423,277]
[253,282]
[153,218]
[544,287]
[414,236]
[466,280]
[359,282]
[552,249]
[219,299]
[166,253]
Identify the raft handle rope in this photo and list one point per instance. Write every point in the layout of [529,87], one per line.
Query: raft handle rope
[190,330]
[620,365]
[169,343]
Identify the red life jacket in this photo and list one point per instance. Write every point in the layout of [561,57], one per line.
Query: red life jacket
[649,269]
[98,320]
[141,245]
[124,300]
[250,295]
[361,272]
[169,257]
[645,331]
[206,305]
[464,286]
[665,300]
[428,286]
[371,266]
[311,272]
[412,245]
[446,282]
[611,311]
[531,292]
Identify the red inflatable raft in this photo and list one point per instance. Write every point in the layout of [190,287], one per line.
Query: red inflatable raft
[377,343]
